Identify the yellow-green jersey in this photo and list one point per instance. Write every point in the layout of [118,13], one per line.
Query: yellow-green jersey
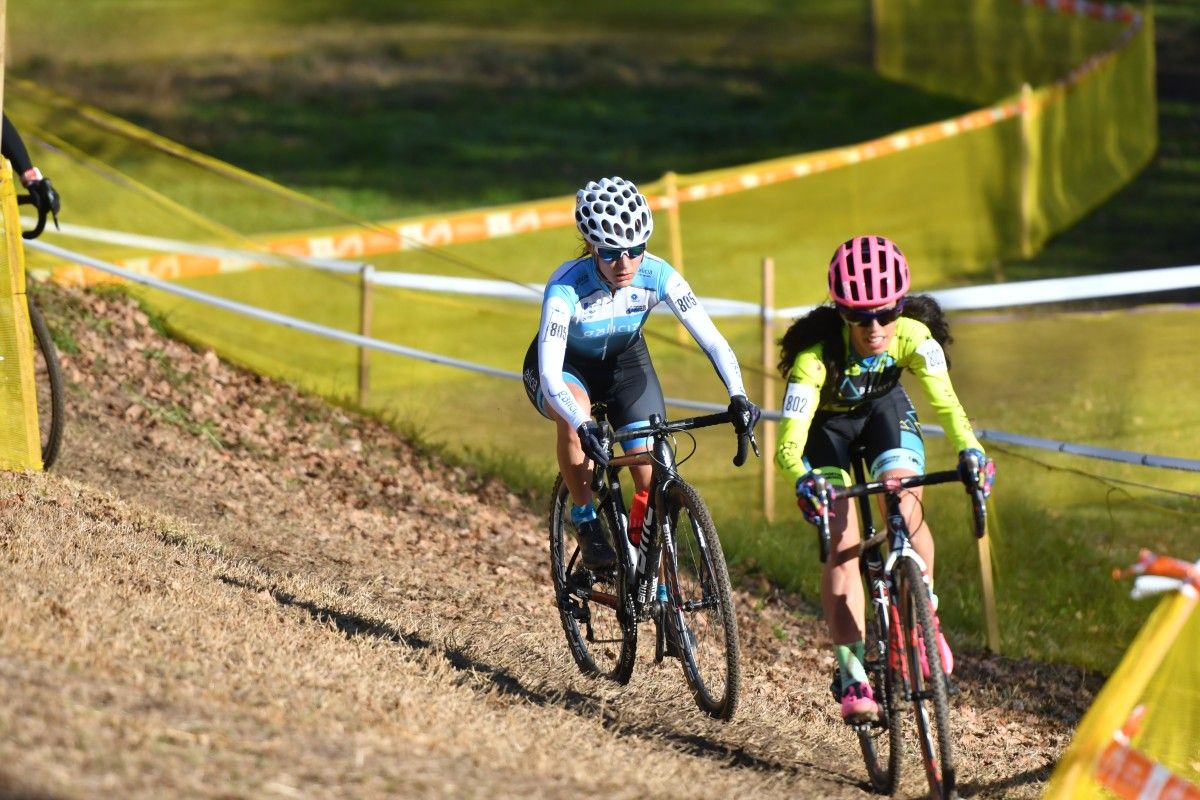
[867,379]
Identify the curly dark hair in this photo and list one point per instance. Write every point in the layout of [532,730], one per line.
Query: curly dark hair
[824,325]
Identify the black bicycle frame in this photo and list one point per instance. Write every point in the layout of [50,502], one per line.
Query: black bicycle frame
[644,561]
[871,558]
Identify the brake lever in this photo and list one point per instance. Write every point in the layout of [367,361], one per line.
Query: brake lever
[744,438]
[606,441]
[823,492]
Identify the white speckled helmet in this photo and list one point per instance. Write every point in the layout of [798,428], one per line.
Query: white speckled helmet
[611,212]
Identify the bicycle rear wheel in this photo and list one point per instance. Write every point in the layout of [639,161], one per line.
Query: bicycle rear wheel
[882,741]
[928,693]
[593,607]
[699,614]
[48,382]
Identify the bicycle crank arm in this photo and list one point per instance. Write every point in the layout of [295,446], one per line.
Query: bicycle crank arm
[584,591]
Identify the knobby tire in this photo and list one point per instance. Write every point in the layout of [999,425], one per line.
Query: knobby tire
[48,382]
[699,613]
[602,639]
[882,741]
[930,699]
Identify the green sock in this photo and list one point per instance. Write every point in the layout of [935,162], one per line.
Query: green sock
[850,658]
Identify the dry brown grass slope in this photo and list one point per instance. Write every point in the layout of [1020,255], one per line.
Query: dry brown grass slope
[228,589]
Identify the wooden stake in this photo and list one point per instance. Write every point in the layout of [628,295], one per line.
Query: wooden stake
[366,278]
[675,237]
[989,593]
[768,388]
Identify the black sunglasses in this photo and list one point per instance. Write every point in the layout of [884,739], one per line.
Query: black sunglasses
[857,316]
[611,254]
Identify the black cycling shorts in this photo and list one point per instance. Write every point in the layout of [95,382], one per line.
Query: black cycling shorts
[886,428]
[625,383]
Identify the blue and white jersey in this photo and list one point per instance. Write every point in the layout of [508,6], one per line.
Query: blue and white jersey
[582,316]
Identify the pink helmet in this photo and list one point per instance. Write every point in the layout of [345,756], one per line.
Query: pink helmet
[867,271]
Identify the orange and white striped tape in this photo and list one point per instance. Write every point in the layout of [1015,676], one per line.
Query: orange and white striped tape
[482,224]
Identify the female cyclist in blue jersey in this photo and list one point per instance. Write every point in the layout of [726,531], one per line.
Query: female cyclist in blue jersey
[843,364]
[589,347]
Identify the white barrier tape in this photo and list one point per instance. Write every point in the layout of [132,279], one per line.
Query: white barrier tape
[971,298]
[974,298]
[268,316]
[478,287]
[243,258]
[1148,585]
[1143,459]
[1087,451]
[1057,290]
[1107,454]
[528,292]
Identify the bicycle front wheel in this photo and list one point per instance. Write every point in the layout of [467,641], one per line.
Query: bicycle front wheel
[699,615]
[926,680]
[882,741]
[595,608]
[48,382]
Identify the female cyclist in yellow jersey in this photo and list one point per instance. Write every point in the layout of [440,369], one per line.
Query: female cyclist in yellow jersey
[843,364]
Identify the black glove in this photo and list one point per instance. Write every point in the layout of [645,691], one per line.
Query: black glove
[744,413]
[45,199]
[593,448]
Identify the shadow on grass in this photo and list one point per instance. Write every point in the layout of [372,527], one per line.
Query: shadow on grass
[12,788]
[1030,777]
[505,683]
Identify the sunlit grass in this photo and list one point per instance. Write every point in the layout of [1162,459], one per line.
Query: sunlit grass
[458,111]
[1060,524]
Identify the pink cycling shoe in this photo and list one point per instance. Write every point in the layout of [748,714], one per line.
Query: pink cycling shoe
[943,651]
[858,704]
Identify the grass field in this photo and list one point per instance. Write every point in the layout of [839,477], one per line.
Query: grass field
[481,108]
[1037,376]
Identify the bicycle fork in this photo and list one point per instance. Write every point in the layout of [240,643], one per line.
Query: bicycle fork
[649,554]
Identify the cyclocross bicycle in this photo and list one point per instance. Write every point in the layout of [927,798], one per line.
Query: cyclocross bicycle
[674,576]
[48,380]
[904,665]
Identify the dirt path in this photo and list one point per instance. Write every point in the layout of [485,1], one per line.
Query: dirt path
[385,622]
